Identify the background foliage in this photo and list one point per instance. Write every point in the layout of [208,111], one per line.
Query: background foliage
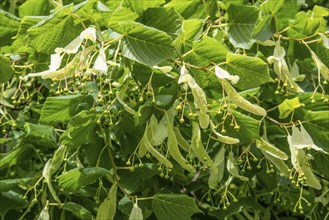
[164,109]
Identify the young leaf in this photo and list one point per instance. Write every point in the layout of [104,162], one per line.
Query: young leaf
[108,207]
[288,106]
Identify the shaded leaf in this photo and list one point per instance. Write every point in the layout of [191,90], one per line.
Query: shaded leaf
[174,206]
[40,134]
[11,200]
[78,210]
[6,70]
[8,28]
[61,108]
[164,19]
[77,178]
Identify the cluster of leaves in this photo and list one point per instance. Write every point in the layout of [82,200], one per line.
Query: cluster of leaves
[180,109]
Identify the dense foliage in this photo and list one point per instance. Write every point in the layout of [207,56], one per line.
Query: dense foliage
[159,109]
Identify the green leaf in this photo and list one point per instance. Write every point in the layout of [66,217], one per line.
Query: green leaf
[242,20]
[207,51]
[121,14]
[145,44]
[81,130]
[11,200]
[309,23]
[142,5]
[78,210]
[287,13]
[252,71]
[189,32]
[62,108]
[266,24]
[238,207]
[174,206]
[40,134]
[20,43]
[34,8]
[317,125]
[188,9]
[107,208]
[52,32]
[249,128]
[9,24]
[10,184]
[288,106]
[144,73]
[78,178]
[164,19]
[139,179]
[6,70]
[13,157]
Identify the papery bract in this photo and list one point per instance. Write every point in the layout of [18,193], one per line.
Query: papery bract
[223,74]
